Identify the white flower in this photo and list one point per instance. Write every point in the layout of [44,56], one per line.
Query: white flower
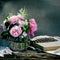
[24,34]
[26,22]
[4,21]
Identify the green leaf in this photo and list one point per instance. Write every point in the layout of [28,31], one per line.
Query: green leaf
[25,28]
[23,12]
[4,34]
[7,16]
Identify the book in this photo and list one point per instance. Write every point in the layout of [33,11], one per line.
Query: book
[46,42]
[50,45]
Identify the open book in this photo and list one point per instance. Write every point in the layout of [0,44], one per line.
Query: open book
[47,42]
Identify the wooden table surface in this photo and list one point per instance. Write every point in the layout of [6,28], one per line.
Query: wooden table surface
[30,55]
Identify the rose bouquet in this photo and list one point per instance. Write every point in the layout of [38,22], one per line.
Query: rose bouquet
[18,28]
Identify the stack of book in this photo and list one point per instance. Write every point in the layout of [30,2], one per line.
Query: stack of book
[46,42]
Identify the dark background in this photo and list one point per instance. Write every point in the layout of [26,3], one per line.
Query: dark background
[46,13]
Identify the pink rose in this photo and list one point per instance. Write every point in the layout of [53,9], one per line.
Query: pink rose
[15,31]
[33,26]
[20,16]
[21,23]
[15,18]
